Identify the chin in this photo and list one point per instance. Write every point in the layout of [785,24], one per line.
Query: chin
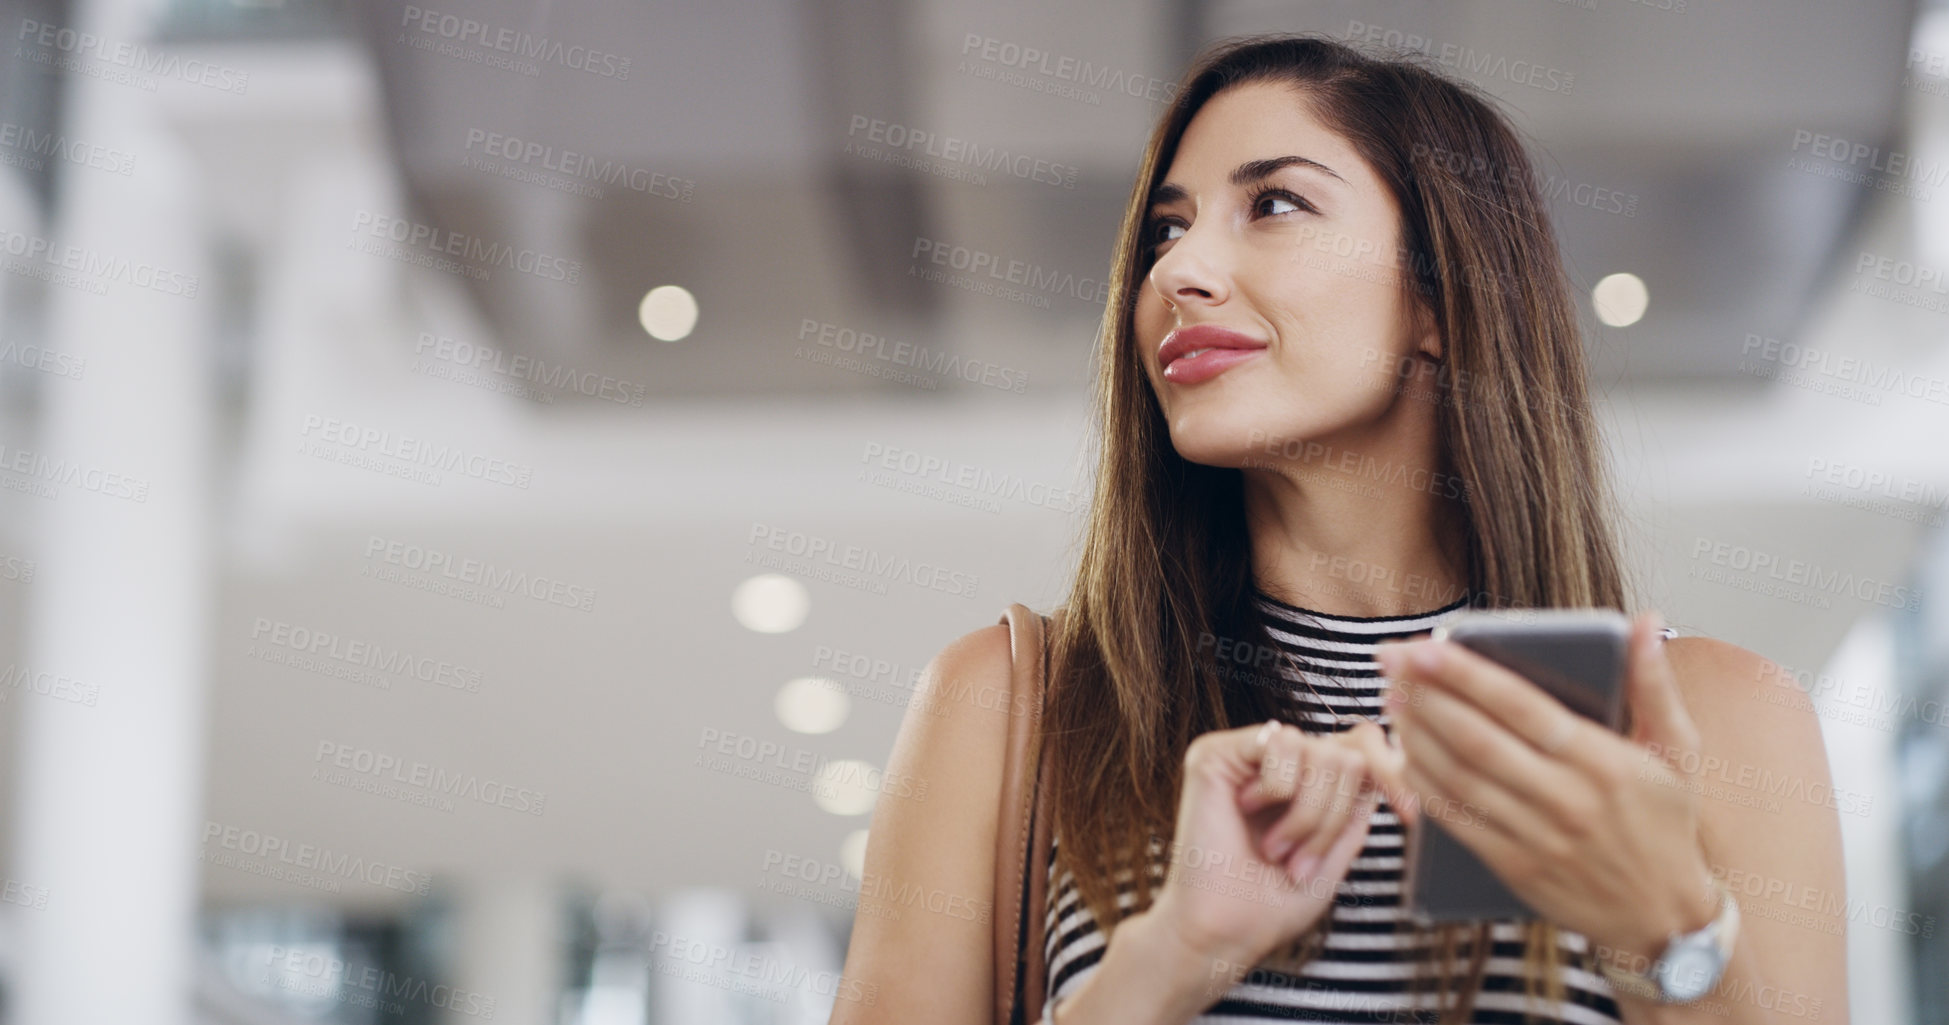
[1218,438]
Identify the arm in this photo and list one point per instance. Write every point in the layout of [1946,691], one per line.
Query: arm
[904,964]
[1615,837]
[1769,824]
[907,964]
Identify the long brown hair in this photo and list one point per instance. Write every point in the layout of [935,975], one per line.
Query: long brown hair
[1165,557]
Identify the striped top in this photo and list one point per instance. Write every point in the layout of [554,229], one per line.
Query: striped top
[1364,973]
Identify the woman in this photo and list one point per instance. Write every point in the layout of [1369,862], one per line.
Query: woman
[1342,394]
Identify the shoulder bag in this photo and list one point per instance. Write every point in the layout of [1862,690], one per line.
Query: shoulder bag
[1022,836]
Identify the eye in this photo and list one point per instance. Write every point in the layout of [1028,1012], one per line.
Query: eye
[1260,197]
[1151,237]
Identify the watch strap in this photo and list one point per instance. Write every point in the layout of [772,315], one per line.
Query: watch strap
[1723,930]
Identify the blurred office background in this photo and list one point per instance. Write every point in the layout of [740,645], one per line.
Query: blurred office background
[450,452]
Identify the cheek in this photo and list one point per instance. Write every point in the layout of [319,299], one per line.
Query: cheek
[1338,326]
[1149,316]
[1149,322]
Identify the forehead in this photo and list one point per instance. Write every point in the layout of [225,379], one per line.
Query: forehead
[1255,121]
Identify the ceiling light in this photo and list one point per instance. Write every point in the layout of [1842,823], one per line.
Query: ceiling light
[668,313]
[1620,299]
[771,603]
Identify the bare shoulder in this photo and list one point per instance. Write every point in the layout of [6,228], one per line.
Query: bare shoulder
[1709,656]
[921,947]
[1730,688]
[1750,711]
[1769,821]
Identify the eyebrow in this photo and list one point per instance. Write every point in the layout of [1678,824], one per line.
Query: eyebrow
[1244,174]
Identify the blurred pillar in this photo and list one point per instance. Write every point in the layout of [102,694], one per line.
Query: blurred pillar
[690,982]
[109,794]
[510,948]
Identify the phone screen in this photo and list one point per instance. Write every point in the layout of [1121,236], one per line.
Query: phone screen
[1577,656]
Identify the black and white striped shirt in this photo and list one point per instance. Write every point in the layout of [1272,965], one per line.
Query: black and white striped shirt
[1364,973]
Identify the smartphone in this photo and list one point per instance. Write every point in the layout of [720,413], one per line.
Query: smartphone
[1577,656]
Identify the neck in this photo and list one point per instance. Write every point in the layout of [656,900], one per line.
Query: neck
[1357,530]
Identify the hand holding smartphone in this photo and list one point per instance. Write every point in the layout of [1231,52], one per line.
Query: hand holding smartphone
[1575,655]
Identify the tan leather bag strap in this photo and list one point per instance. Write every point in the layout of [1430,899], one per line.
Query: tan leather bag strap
[1022,837]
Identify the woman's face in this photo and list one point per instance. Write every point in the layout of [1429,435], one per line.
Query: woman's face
[1271,226]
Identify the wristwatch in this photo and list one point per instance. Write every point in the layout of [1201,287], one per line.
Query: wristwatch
[1691,963]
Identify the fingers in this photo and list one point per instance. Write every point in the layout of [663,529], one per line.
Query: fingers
[1332,780]
[1479,760]
[1658,710]
[1385,759]
[1346,846]
[1345,783]
[1386,766]
[1278,776]
[1467,802]
[1302,813]
[1229,757]
[1517,705]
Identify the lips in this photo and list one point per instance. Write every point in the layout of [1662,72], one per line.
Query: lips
[1203,351]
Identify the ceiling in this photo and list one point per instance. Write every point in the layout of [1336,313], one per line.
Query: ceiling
[1688,117]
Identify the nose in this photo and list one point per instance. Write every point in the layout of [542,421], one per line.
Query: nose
[1185,275]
